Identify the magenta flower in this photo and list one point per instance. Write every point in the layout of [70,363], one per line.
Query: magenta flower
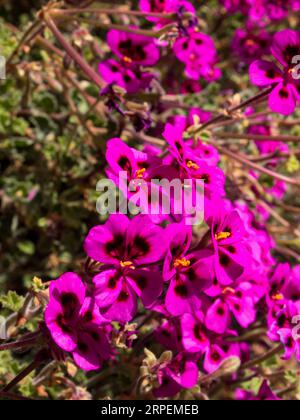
[124,246]
[239,302]
[283,288]
[285,330]
[133,48]
[75,323]
[196,338]
[291,289]
[192,167]
[196,43]
[185,122]
[190,86]
[286,89]
[121,241]
[261,12]
[228,240]
[182,372]
[184,293]
[279,9]
[198,52]
[128,77]
[219,351]
[180,238]
[233,6]
[140,168]
[189,273]
[249,45]
[202,151]
[138,165]
[168,334]
[116,291]
[165,6]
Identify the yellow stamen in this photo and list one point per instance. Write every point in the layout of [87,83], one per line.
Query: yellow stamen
[127,60]
[293,72]
[278,296]
[140,173]
[250,43]
[228,290]
[182,263]
[222,235]
[192,165]
[125,264]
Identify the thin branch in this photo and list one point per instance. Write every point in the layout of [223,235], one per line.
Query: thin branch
[89,71]
[14,397]
[257,137]
[36,24]
[116,11]
[241,159]
[234,109]
[17,345]
[263,358]
[30,368]
[137,31]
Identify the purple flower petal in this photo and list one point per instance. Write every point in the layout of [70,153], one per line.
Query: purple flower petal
[286,45]
[264,73]
[282,99]
[108,286]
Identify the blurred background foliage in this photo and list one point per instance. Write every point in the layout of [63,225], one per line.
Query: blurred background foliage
[50,162]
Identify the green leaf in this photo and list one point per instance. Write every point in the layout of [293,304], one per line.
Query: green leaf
[293,164]
[27,247]
[12,301]
[253,385]
[19,126]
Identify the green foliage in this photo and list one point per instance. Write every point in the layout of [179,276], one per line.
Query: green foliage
[8,40]
[293,164]
[12,301]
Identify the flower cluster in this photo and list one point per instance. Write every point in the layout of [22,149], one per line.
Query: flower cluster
[75,323]
[205,290]
[284,81]
[136,53]
[202,287]
[262,12]
[133,52]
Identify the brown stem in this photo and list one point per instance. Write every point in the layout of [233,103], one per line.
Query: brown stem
[32,28]
[233,109]
[73,53]
[287,252]
[257,137]
[16,345]
[251,335]
[259,115]
[15,397]
[30,368]
[261,359]
[241,159]
[145,32]
[145,138]
[274,214]
[116,11]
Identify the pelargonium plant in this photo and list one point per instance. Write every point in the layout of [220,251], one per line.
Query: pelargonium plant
[154,302]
